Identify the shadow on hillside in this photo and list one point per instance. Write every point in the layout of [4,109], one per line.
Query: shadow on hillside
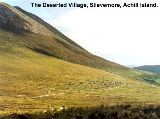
[102,112]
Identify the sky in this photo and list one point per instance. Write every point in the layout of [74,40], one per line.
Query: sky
[128,36]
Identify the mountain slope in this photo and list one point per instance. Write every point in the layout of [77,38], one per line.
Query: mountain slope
[48,26]
[150,68]
[46,40]
[31,81]
[15,21]
[10,21]
[41,69]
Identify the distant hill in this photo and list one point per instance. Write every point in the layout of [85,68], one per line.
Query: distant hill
[131,66]
[150,68]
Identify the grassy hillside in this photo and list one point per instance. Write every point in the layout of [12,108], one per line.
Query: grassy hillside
[31,81]
[49,27]
[41,70]
[155,77]
[150,68]
[49,41]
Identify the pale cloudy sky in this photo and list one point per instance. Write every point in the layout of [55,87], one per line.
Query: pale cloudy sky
[129,36]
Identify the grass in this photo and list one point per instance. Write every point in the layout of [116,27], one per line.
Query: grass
[43,72]
[102,112]
[31,82]
[50,41]
[150,68]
